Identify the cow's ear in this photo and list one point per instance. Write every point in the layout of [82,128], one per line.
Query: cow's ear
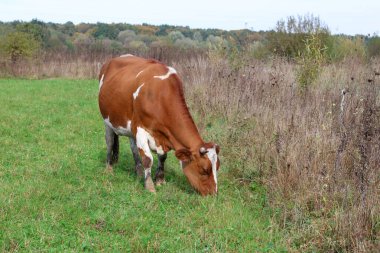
[183,154]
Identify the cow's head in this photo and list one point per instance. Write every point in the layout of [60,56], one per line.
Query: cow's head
[201,167]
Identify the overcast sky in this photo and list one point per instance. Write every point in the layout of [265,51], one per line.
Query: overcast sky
[342,16]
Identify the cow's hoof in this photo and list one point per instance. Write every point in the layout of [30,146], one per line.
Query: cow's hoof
[149,185]
[160,181]
[139,170]
[109,169]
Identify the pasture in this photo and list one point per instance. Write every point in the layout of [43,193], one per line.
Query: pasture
[56,196]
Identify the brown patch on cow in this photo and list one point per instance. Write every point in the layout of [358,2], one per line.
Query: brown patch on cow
[183,154]
[146,162]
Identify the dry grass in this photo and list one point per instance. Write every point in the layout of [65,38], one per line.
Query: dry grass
[81,65]
[318,157]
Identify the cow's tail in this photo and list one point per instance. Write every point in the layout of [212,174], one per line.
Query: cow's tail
[102,69]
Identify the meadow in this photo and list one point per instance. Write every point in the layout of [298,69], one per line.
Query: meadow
[56,196]
[300,159]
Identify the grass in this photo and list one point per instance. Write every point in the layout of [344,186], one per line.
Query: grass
[55,195]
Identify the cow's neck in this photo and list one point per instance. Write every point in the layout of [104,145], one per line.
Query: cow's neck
[184,134]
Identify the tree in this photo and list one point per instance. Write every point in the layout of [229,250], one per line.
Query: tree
[106,31]
[197,36]
[185,43]
[18,45]
[175,35]
[68,28]
[289,38]
[126,36]
[82,41]
[38,29]
[162,30]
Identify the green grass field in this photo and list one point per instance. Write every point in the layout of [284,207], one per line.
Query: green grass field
[55,195]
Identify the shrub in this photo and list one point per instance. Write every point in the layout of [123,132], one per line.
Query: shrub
[310,61]
[341,47]
[373,46]
[258,50]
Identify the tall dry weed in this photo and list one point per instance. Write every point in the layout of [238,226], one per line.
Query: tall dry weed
[317,155]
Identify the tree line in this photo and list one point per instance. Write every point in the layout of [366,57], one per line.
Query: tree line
[26,40]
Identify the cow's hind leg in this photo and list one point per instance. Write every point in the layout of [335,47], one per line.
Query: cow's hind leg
[136,157]
[160,179]
[112,141]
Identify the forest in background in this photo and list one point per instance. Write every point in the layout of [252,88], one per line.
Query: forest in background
[26,41]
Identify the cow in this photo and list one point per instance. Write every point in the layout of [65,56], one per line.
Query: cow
[143,99]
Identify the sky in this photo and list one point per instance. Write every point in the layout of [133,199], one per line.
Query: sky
[348,17]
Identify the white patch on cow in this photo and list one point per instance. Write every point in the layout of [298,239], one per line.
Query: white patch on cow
[129,126]
[146,142]
[126,55]
[126,131]
[170,71]
[136,93]
[142,142]
[213,157]
[101,82]
[147,172]
[159,150]
[139,73]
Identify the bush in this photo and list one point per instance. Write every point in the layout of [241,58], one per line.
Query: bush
[341,47]
[373,47]
[310,60]
[258,50]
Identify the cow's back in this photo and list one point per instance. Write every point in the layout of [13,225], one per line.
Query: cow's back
[128,90]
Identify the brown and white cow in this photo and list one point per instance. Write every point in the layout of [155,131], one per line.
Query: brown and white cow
[143,99]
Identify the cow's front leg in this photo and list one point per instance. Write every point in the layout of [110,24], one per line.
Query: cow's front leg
[160,178]
[147,162]
[146,158]
[136,157]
